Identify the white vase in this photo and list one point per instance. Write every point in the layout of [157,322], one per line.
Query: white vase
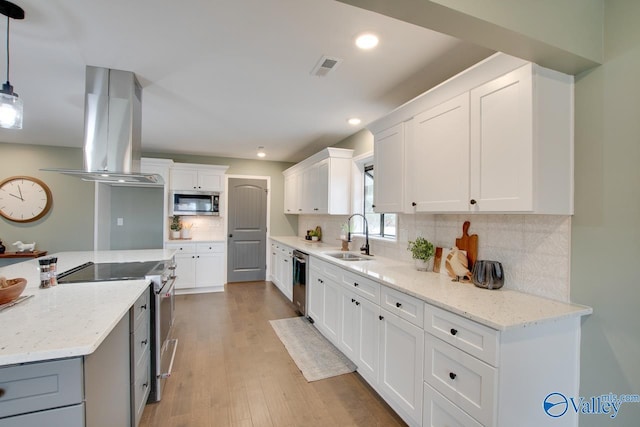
[185,233]
[175,234]
[422,265]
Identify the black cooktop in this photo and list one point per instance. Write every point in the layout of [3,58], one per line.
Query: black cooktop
[109,271]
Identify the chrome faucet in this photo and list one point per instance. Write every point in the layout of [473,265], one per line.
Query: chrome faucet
[365,248]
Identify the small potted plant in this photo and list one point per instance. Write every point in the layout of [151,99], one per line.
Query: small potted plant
[422,251]
[175,227]
[314,235]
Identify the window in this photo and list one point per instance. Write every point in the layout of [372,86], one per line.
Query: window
[382,225]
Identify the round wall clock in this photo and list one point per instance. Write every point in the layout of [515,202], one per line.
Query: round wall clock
[24,198]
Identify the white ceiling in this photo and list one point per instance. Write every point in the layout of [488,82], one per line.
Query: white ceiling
[222,77]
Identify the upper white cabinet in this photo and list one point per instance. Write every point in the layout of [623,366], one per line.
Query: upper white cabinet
[187,176]
[496,138]
[320,184]
[389,167]
[438,163]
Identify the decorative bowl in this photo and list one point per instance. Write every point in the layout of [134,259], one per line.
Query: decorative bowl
[13,291]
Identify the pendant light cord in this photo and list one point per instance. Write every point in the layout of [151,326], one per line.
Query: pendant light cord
[8,20]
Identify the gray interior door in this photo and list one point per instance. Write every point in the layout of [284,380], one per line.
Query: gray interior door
[247,240]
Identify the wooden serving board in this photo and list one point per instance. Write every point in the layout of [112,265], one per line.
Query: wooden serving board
[469,244]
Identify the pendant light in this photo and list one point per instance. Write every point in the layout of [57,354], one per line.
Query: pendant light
[10,104]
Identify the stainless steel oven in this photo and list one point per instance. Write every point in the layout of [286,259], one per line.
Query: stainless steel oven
[163,315]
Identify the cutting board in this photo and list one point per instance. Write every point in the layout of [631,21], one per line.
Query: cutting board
[469,244]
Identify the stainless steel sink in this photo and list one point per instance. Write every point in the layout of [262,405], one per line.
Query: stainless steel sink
[346,256]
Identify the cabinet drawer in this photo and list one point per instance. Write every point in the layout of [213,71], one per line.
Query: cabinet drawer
[476,339]
[42,385]
[327,269]
[69,416]
[438,411]
[182,248]
[140,311]
[141,386]
[203,248]
[468,382]
[140,341]
[366,288]
[409,308]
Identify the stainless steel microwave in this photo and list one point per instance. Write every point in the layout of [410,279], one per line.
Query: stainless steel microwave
[195,203]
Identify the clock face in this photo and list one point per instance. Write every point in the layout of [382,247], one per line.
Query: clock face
[24,199]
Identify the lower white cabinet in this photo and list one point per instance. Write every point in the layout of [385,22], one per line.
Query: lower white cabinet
[331,317]
[401,359]
[438,411]
[199,266]
[282,268]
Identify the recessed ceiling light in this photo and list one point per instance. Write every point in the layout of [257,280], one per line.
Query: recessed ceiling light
[354,121]
[261,152]
[367,41]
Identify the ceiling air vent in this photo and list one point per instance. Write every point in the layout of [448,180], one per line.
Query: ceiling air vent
[325,65]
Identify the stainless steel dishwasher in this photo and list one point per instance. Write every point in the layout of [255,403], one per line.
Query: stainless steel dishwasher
[300,260]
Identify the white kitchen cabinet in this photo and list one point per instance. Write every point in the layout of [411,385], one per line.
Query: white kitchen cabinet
[521,143]
[315,293]
[360,334]
[282,269]
[401,363]
[292,203]
[496,138]
[320,184]
[331,316]
[190,177]
[389,167]
[437,163]
[497,378]
[199,266]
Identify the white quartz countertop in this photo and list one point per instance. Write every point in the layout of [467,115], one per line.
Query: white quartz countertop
[70,319]
[499,309]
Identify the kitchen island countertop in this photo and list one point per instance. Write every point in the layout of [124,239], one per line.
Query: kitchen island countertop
[71,319]
[500,309]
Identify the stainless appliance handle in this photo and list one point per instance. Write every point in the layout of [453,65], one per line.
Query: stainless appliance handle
[167,374]
[168,292]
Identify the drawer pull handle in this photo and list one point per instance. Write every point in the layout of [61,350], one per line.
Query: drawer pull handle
[381,317]
[398,305]
[144,342]
[2,392]
[453,331]
[452,375]
[356,284]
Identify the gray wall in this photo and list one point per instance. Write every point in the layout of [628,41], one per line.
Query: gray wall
[69,224]
[360,142]
[606,231]
[141,209]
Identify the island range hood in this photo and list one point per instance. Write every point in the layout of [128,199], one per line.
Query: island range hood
[112,130]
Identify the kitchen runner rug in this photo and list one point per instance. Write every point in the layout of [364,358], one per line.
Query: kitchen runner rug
[314,355]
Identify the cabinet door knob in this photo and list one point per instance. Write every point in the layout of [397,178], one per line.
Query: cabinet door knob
[453,331]
[452,375]
[373,206]
[356,284]
[1,392]
[381,317]
[143,342]
[143,307]
[473,201]
[357,303]
[398,305]
[414,204]
[352,300]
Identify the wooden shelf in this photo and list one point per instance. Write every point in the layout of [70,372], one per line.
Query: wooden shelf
[31,254]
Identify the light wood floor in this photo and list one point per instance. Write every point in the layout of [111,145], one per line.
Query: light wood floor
[232,370]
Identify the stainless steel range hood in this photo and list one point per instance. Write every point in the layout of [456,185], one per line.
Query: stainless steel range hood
[112,129]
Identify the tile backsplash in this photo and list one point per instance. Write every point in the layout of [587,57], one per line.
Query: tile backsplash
[205,227]
[535,250]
